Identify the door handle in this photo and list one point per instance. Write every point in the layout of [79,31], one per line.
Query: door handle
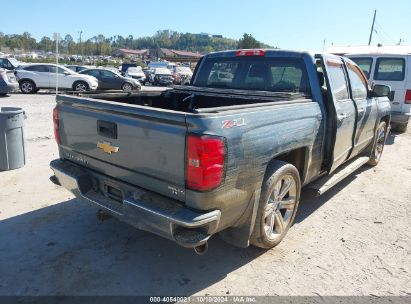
[341,117]
[361,110]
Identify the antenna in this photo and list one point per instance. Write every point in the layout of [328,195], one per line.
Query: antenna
[372,27]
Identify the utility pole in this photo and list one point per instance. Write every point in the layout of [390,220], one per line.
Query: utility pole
[57,38]
[372,27]
[81,47]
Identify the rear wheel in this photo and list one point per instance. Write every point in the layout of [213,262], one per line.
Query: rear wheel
[127,87]
[27,87]
[278,205]
[80,86]
[379,143]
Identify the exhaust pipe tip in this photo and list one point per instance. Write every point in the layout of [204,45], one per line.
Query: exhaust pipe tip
[202,249]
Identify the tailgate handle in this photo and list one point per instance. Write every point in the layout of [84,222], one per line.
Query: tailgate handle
[107,129]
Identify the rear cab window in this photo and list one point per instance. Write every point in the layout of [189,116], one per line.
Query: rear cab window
[272,74]
[390,69]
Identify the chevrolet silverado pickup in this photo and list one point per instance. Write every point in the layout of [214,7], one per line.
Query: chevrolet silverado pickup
[227,154]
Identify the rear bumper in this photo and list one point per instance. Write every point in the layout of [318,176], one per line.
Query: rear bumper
[13,86]
[143,209]
[400,118]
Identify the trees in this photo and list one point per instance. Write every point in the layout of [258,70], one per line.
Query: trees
[248,42]
[100,45]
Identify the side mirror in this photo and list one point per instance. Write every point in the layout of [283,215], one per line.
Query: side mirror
[66,73]
[380,90]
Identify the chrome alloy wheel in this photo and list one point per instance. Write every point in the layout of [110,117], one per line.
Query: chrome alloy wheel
[127,87]
[27,87]
[280,207]
[80,87]
[380,143]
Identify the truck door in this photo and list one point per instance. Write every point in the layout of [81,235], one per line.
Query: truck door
[366,108]
[343,112]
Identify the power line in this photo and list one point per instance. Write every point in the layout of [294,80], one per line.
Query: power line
[384,32]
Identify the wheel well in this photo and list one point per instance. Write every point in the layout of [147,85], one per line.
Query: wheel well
[28,79]
[294,157]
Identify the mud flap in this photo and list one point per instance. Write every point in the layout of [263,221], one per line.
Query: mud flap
[239,234]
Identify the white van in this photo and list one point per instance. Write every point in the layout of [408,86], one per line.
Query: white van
[393,70]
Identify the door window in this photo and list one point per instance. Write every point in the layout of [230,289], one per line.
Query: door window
[107,74]
[337,78]
[357,81]
[52,69]
[390,69]
[365,65]
[37,68]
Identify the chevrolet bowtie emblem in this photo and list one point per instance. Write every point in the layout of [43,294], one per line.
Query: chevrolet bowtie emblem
[107,147]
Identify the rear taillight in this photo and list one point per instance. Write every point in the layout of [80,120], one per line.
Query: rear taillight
[408,97]
[56,125]
[260,53]
[205,162]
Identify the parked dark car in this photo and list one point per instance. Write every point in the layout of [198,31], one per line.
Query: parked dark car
[162,77]
[110,80]
[8,82]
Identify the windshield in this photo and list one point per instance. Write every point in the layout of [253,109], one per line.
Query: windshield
[135,70]
[254,73]
[14,62]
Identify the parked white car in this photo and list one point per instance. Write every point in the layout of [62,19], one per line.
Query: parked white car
[34,77]
[136,73]
[393,70]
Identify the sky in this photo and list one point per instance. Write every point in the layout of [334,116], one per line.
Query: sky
[301,25]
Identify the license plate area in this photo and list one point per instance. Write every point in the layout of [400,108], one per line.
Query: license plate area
[112,192]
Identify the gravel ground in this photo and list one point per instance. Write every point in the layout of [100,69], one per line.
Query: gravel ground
[354,240]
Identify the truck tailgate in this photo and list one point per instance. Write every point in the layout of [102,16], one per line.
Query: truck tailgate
[138,145]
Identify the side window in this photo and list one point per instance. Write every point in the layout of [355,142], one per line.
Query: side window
[52,69]
[390,69]
[365,65]
[107,74]
[37,68]
[2,63]
[357,81]
[335,71]
[94,73]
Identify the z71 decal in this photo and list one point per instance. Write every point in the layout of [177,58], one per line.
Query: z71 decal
[227,124]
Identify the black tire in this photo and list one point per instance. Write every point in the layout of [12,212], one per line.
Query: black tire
[401,127]
[80,86]
[127,87]
[278,206]
[379,142]
[27,86]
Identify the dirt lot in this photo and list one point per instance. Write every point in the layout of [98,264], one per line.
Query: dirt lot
[354,240]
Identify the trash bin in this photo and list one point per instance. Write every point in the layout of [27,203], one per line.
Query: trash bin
[12,150]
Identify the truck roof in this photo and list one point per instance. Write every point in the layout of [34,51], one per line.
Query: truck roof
[266,52]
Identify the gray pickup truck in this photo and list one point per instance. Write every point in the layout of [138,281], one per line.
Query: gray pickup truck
[227,154]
